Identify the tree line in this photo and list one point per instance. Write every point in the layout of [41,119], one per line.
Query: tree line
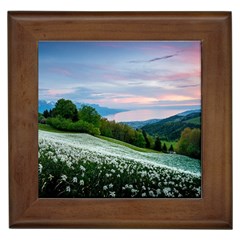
[65,116]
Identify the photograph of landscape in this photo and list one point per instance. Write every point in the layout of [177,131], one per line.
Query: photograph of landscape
[119,119]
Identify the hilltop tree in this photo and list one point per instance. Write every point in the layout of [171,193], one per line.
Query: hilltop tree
[90,115]
[66,109]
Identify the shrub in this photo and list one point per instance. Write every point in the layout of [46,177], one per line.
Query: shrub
[67,125]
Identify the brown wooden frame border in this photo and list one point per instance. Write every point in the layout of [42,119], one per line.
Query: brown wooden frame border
[213,210]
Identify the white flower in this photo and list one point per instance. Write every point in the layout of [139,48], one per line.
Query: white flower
[118,175]
[158,191]
[143,174]
[112,170]
[82,168]
[69,164]
[105,187]
[167,191]
[81,182]
[40,167]
[151,194]
[110,185]
[50,177]
[68,189]
[75,179]
[144,194]
[64,177]
[112,194]
[134,190]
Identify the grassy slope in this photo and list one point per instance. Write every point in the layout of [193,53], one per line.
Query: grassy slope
[128,145]
[48,128]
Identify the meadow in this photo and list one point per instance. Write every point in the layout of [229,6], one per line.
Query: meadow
[81,165]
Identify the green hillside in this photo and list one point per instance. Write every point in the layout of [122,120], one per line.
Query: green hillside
[171,128]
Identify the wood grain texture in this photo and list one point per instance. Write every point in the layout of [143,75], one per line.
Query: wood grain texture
[213,210]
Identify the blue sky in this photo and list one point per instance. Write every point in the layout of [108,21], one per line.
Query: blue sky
[126,75]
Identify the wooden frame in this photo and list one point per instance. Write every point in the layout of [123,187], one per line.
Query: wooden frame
[213,210]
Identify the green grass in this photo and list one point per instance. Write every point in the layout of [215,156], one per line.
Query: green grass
[196,120]
[48,128]
[127,145]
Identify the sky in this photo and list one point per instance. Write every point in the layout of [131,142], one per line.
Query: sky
[138,75]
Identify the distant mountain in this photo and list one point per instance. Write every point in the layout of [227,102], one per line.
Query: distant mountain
[103,111]
[170,128]
[140,124]
[45,105]
[189,112]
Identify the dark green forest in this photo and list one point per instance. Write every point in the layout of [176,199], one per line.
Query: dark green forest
[170,129]
[186,130]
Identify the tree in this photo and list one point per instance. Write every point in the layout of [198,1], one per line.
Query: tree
[105,128]
[40,117]
[158,145]
[146,139]
[46,114]
[90,115]
[66,109]
[139,139]
[50,113]
[190,143]
[75,115]
[171,148]
[164,148]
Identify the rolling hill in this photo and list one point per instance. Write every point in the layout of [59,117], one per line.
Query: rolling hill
[171,128]
[140,124]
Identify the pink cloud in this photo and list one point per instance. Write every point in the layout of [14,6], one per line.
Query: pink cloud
[139,100]
[55,92]
[175,97]
[182,75]
[192,55]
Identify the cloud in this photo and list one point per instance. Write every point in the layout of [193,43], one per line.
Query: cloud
[61,71]
[135,83]
[104,74]
[189,86]
[43,89]
[155,59]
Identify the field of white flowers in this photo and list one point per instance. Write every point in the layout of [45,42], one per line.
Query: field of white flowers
[80,165]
